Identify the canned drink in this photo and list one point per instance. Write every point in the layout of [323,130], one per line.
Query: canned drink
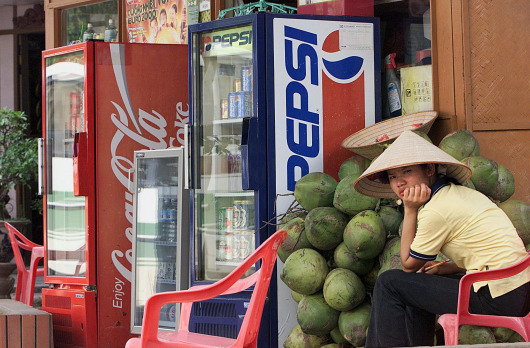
[246,78]
[233,105]
[221,220]
[224,108]
[245,104]
[246,244]
[237,216]
[236,246]
[162,270]
[170,271]
[229,219]
[229,244]
[244,215]
[221,247]
[237,85]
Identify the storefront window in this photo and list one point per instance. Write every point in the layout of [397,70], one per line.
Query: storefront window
[74,20]
[406,56]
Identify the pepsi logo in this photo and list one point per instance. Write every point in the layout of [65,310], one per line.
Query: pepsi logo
[340,65]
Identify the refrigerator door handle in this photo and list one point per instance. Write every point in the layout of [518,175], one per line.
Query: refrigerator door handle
[249,151]
[40,149]
[81,177]
[186,156]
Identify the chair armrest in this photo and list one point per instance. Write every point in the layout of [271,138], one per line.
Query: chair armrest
[227,285]
[469,279]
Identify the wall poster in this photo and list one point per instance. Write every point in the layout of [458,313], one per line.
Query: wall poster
[156,21]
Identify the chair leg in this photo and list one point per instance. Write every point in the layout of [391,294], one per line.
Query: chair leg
[20,282]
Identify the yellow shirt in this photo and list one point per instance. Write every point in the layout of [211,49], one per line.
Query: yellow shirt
[473,232]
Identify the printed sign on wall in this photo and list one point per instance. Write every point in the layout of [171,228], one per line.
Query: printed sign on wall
[156,21]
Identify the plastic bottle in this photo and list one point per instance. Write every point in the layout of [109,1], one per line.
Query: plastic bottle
[111,33]
[392,86]
[89,32]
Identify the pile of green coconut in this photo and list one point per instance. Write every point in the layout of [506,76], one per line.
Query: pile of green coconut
[339,241]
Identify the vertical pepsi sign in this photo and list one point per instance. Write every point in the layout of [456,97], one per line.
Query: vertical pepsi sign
[326,83]
[325,90]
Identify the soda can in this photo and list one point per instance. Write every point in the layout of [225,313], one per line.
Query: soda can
[224,108]
[162,270]
[229,244]
[221,247]
[246,244]
[236,246]
[244,216]
[237,216]
[237,85]
[229,219]
[245,104]
[221,220]
[233,105]
[170,271]
[246,78]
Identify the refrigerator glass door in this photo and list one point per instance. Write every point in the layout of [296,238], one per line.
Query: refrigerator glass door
[223,211]
[157,265]
[65,213]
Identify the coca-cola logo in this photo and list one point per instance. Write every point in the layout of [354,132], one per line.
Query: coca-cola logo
[148,130]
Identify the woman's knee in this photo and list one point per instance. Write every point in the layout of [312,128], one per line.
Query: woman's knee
[387,278]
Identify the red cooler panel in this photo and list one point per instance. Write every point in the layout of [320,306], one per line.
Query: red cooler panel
[141,103]
[74,316]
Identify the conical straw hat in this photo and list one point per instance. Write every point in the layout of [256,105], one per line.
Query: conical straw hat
[371,141]
[408,149]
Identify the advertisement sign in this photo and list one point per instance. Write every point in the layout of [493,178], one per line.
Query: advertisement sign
[324,91]
[139,106]
[157,21]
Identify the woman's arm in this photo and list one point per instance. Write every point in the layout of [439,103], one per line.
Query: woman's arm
[413,199]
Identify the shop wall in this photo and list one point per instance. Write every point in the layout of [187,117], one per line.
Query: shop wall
[497,42]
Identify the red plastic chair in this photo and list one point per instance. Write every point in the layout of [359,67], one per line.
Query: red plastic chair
[26,277]
[230,284]
[451,322]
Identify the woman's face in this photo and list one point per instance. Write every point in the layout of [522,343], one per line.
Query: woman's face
[410,176]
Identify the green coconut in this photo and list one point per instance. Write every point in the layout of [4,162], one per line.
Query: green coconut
[485,174]
[337,337]
[471,334]
[296,296]
[290,216]
[324,227]
[370,278]
[423,135]
[502,334]
[344,258]
[343,289]
[394,262]
[353,324]
[331,345]
[315,316]
[505,187]
[519,214]
[391,218]
[365,235]
[354,165]
[349,201]
[298,339]
[296,238]
[460,144]
[305,271]
[392,247]
[315,190]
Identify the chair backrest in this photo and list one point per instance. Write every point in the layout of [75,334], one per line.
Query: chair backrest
[467,282]
[267,253]
[19,241]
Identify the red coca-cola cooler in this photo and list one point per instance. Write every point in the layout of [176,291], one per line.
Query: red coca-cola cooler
[101,102]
